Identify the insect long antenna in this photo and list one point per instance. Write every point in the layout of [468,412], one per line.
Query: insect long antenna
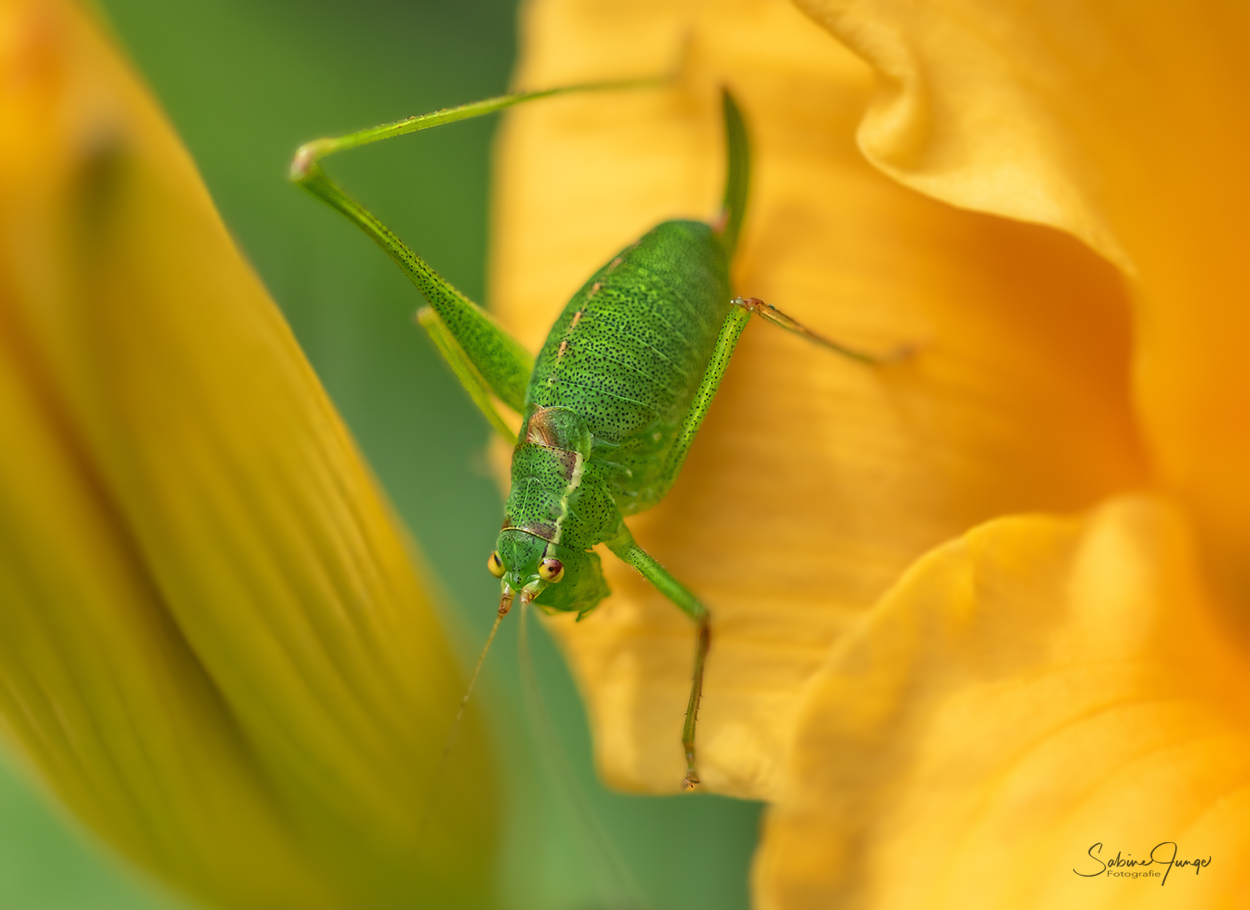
[505,604]
[613,873]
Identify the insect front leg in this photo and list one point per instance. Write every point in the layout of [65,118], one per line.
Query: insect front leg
[628,550]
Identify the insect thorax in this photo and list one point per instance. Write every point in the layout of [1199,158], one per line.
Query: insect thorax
[557,493]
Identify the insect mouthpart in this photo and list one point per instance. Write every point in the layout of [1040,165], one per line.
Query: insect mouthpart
[530,592]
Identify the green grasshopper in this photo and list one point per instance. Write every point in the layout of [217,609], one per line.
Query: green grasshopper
[612,403]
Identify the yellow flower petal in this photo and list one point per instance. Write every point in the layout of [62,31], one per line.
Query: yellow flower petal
[1121,123]
[212,643]
[1039,687]
[815,481]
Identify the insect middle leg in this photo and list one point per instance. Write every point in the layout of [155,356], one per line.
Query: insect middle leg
[731,330]
[628,550]
[770,313]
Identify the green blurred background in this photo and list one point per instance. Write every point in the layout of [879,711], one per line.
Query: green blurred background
[245,82]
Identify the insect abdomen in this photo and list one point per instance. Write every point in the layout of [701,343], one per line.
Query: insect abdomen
[630,349]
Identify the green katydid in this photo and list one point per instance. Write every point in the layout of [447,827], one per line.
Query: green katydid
[615,397]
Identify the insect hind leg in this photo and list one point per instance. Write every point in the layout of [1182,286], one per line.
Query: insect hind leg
[770,313]
[466,335]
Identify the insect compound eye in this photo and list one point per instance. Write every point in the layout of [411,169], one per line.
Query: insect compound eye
[551,570]
[495,565]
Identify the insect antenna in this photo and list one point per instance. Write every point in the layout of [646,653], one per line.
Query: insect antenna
[572,798]
[504,606]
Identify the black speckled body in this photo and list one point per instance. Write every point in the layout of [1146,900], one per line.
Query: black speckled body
[606,403]
[630,349]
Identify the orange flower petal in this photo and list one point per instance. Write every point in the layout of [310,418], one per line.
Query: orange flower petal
[1121,123]
[815,481]
[1037,688]
[213,646]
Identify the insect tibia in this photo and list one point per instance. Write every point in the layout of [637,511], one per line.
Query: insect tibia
[703,643]
[770,313]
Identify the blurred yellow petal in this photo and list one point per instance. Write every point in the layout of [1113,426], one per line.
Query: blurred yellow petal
[213,646]
[1039,687]
[1124,124]
[814,481]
